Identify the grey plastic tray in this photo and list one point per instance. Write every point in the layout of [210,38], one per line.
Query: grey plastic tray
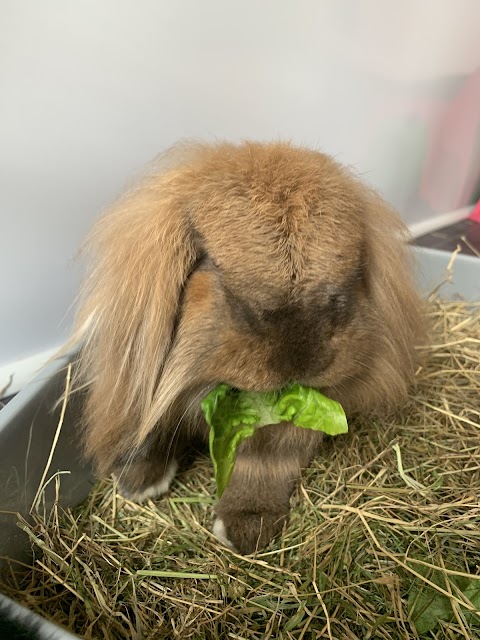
[28,422]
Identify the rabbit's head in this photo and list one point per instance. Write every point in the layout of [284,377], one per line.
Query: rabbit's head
[256,265]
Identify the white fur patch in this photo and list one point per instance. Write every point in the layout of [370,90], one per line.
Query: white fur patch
[220,533]
[157,489]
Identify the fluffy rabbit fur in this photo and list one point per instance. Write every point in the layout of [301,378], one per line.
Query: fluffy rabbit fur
[254,265]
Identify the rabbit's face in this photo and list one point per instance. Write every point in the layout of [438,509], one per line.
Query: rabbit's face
[284,258]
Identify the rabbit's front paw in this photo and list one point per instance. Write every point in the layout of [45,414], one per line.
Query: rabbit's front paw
[141,480]
[247,531]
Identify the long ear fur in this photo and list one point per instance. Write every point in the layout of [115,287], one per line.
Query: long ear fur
[141,254]
[397,304]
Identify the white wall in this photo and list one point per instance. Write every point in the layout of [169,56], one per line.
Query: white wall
[91,90]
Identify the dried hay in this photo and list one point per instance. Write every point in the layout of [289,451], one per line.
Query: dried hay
[383,541]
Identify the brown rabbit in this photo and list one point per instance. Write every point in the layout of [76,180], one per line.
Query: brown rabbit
[255,265]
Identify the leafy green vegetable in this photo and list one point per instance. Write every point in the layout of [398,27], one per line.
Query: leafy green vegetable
[428,607]
[234,415]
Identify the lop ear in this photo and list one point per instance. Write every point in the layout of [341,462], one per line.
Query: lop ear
[398,307]
[141,253]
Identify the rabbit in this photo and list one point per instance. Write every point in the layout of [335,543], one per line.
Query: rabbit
[251,264]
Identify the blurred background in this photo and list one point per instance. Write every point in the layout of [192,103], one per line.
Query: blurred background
[92,90]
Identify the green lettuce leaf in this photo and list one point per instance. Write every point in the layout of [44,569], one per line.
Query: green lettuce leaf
[234,415]
[427,606]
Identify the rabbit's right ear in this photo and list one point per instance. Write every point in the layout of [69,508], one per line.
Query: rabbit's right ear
[141,253]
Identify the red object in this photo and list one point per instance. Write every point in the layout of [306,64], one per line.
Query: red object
[475,215]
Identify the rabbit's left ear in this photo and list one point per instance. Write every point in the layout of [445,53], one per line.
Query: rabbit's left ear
[393,292]
[142,254]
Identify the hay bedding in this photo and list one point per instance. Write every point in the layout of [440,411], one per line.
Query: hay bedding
[383,541]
